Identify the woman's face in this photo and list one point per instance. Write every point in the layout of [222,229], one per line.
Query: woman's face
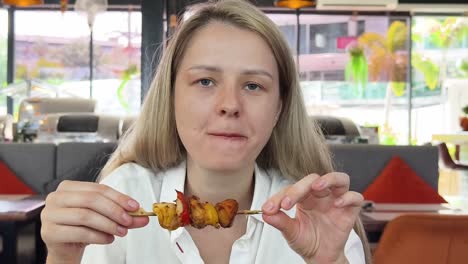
[226,97]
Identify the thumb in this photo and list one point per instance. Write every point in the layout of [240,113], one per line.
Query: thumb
[139,221]
[287,225]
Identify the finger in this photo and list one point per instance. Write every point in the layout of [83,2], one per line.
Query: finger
[300,191]
[74,234]
[354,199]
[91,200]
[283,223]
[85,217]
[338,182]
[123,200]
[139,221]
[272,205]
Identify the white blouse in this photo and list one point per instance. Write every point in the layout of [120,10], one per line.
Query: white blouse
[261,243]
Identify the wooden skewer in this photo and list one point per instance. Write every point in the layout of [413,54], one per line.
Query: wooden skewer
[250,212]
[142,212]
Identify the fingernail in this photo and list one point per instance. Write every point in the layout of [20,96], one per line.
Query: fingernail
[110,239]
[339,202]
[133,204]
[269,206]
[126,218]
[286,203]
[121,230]
[320,184]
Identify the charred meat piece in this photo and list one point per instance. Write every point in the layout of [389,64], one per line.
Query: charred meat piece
[227,210]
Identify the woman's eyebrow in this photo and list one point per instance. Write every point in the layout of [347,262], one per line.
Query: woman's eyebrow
[258,72]
[206,68]
[244,72]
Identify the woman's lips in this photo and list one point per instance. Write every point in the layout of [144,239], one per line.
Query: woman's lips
[228,136]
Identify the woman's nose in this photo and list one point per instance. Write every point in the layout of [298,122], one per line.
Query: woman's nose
[228,102]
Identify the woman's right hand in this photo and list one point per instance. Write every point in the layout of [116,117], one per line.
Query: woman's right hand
[82,213]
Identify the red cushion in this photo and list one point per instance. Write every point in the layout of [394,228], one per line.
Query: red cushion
[398,183]
[10,184]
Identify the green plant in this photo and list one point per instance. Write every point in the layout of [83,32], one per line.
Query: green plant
[462,66]
[387,137]
[444,34]
[126,76]
[465,109]
[357,69]
[441,34]
[428,68]
[387,60]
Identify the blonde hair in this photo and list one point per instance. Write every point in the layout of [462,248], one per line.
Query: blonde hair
[296,147]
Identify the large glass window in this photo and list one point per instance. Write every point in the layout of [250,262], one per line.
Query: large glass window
[355,67]
[118,41]
[55,50]
[3,56]
[440,74]
[288,26]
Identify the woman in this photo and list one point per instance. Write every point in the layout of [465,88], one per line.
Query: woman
[224,118]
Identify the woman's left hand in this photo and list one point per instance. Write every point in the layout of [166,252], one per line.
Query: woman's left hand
[325,214]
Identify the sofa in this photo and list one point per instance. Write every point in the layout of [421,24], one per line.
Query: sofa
[42,166]
[364,162]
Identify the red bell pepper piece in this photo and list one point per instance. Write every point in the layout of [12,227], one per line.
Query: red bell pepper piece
[184,218]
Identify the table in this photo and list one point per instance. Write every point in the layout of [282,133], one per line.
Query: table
[376,218]
[17,211]
[458,139]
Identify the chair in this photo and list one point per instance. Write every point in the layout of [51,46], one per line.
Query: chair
[447,160]
[40,106]
[427,238]
[331,125]
[32,111]
[87,125]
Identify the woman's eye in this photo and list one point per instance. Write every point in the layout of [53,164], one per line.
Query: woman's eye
[205,82]
[252,87]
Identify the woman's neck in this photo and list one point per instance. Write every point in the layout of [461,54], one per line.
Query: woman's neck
[216,186]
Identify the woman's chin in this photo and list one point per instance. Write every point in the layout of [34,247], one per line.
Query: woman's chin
[221,164]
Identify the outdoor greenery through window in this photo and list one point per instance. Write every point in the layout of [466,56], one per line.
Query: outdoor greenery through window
[54,52]
[357,66]
[354,67]
[440,74]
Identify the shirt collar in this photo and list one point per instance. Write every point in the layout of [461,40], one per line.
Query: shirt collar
[172,179]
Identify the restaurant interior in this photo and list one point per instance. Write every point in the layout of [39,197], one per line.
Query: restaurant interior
[385,80]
